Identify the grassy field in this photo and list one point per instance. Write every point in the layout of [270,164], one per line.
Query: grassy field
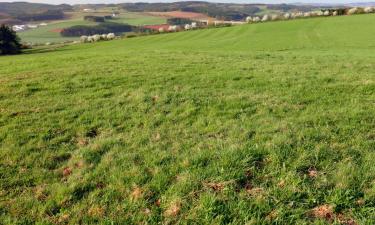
[257,124]
[139,19]
[48,33]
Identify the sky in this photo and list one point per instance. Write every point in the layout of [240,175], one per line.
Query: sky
[232,1]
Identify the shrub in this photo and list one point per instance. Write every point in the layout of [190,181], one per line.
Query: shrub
[265,18]
[353,11]
[103,28]
[38,16]
[9,41]
[178,21]
[97,19]
[256,19]
[369,9]
[274,17]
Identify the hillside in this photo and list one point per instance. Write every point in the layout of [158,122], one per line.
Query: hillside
[24,11]
[261,123]
[223,11]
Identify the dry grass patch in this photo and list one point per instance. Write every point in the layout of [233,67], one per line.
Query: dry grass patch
[173,210]
[136,194]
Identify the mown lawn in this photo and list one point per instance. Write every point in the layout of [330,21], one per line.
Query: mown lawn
[258,124]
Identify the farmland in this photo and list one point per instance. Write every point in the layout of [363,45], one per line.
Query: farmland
[50,33]
[261,123]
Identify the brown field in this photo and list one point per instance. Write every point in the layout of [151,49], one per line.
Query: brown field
[179,14]
[157,27]
[57,30]
[4,16]
[10,21]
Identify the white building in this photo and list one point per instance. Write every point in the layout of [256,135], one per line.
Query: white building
[19,27]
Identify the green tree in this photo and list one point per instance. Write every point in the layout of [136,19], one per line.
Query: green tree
[9,41]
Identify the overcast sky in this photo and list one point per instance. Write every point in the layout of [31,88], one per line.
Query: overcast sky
[234,1]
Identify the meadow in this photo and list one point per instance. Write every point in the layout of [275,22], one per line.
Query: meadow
[139,19]
[268,123]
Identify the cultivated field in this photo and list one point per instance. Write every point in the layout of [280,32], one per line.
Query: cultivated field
[51,32]
[258,124]
[138,19]
[180,14]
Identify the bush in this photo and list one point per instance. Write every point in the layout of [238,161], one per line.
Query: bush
[179,21]
[46,15]
[97,19]
[9,41]
[104,28]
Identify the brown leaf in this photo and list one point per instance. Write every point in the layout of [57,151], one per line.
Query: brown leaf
[323,212]
[173,210]
[79,164]
[147,211]
[136,193]
[155,98]
[255,191]
[217,186]
[157,136]
[96,211]
[81,142]
[281,184]
[271,216]
[40,193]
[360,202]
[64,218]
[345,220]
[67,172]
[312,172]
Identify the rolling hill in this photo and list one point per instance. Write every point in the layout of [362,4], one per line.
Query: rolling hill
[258,124]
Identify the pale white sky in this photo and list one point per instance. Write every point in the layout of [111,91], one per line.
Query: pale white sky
[232,1]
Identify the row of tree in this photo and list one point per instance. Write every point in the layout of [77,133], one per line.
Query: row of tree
[46,15]
[102,28]
[24,11]
[9,41]
[224,11]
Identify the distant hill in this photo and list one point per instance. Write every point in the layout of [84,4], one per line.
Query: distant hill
[354,4]
[23,11]
[225,11]
[13,8]
[362,4]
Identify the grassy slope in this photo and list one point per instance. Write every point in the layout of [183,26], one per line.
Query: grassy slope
[211,126]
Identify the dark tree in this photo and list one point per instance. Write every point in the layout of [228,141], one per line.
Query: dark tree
[9,41]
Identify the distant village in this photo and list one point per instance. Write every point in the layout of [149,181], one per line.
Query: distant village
[24,27]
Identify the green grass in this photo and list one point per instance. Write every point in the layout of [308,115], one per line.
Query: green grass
[252,124]
[138,19]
